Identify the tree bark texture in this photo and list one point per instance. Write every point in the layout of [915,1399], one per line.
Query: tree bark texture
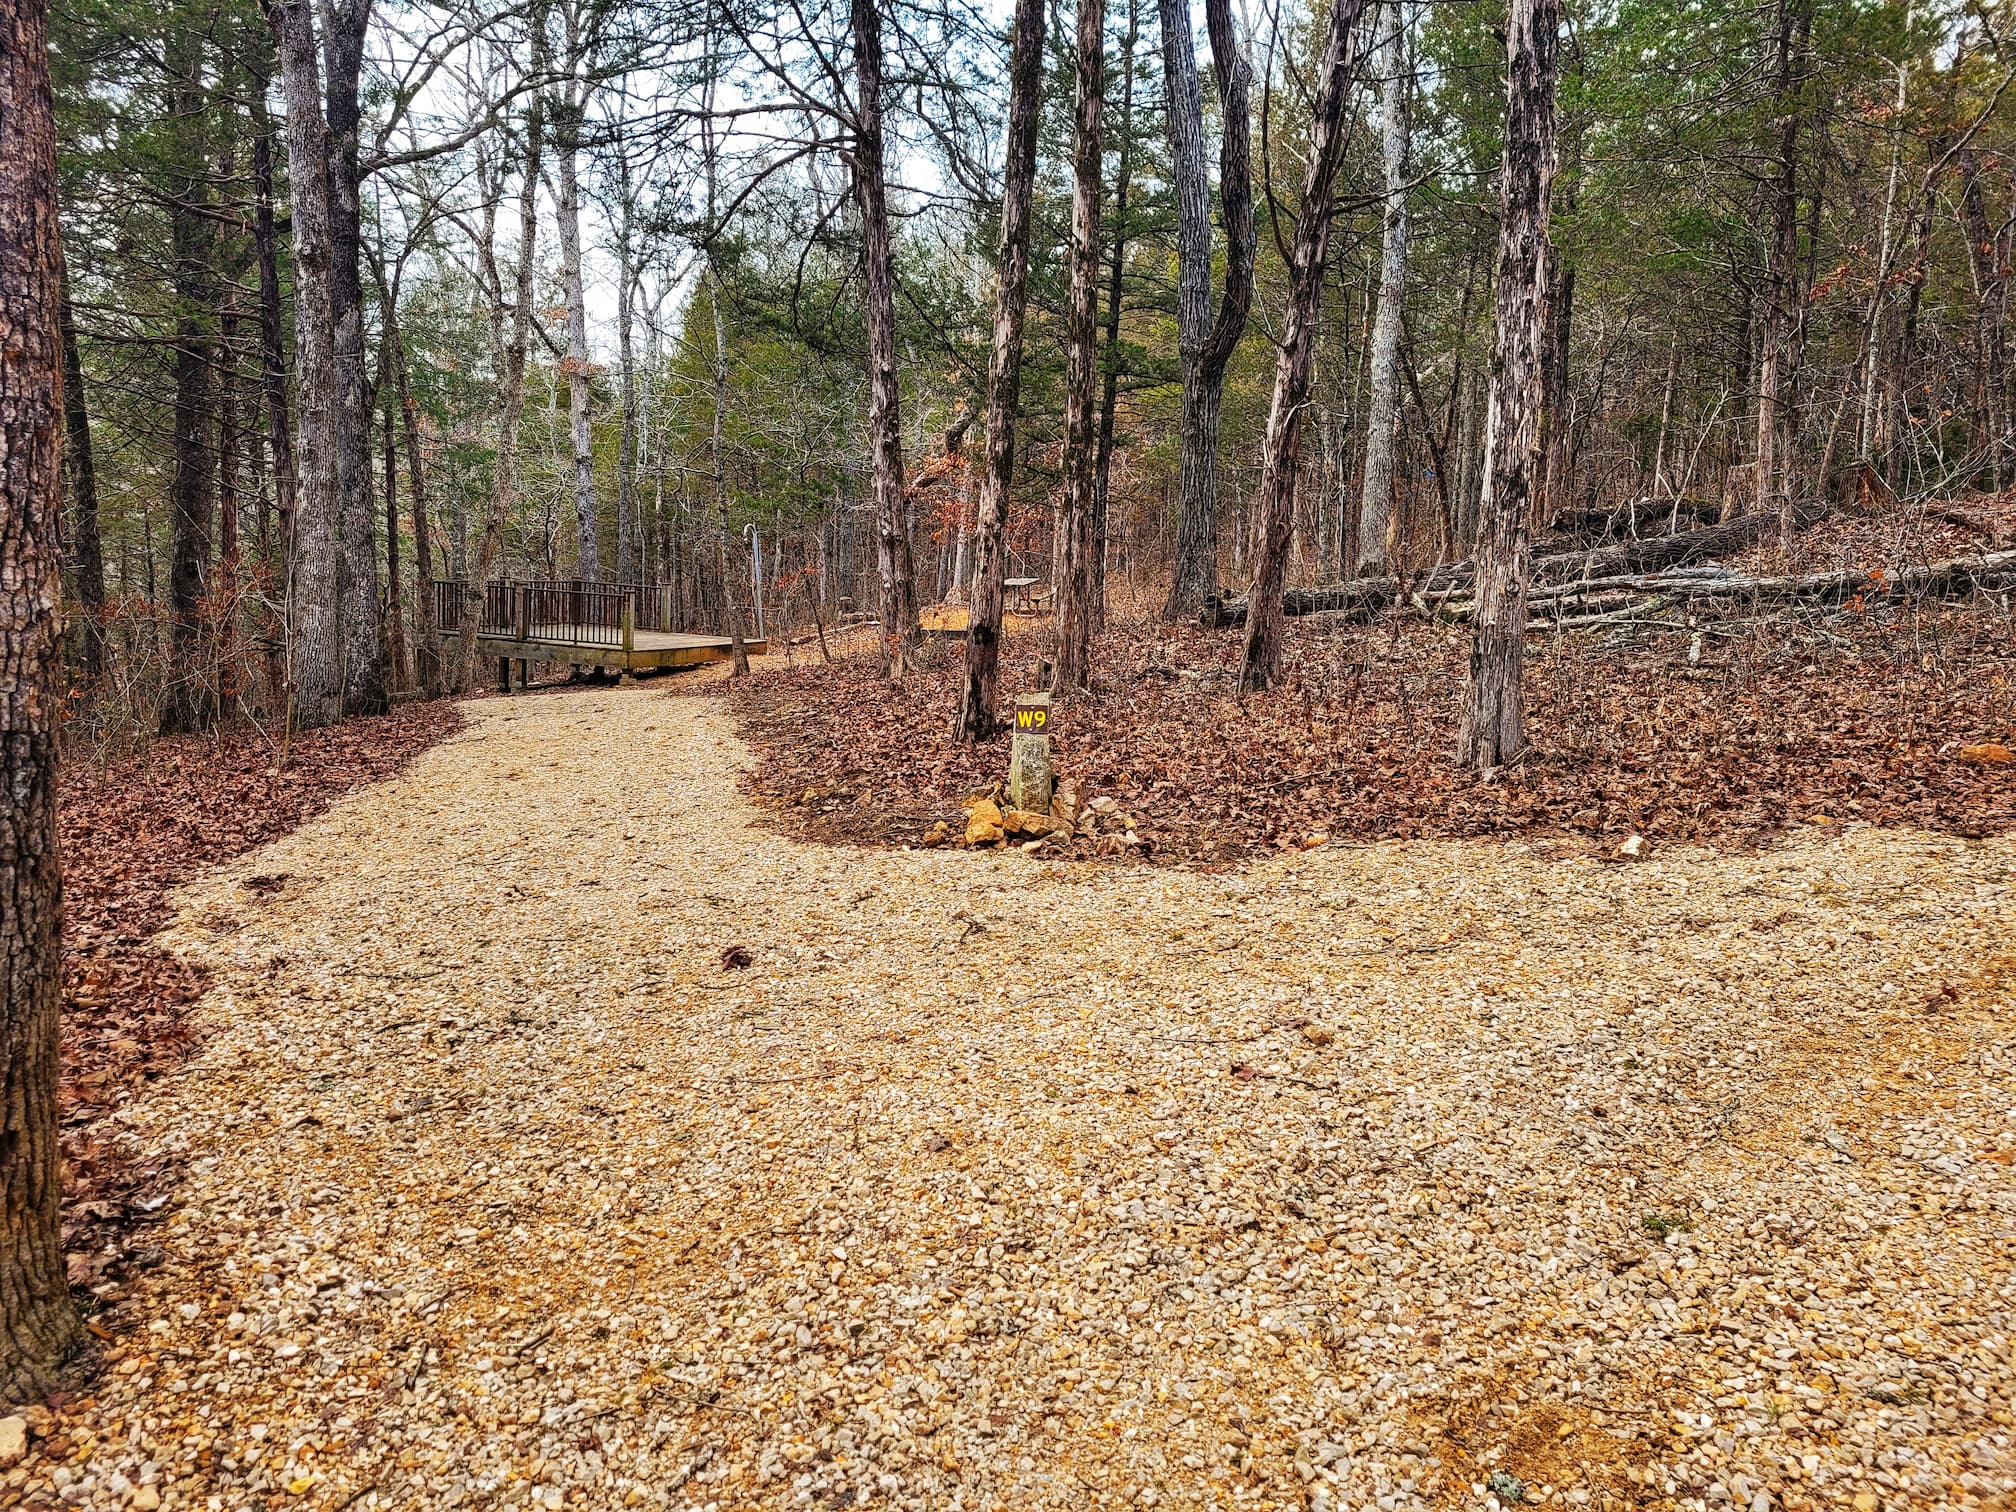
[511,369]
[395,622]
[366,667]
[1775,494]
[1004,374]
[567,113]
[1381,423]
[1072,572]
[1205,345]
[628,536]
[38,1323]
[189,701]
[1281,458]
[885,417]
[1109,394]
[314,631]
[87,548]
[272,358]
[1988,249]
[1493,729]
[426,627]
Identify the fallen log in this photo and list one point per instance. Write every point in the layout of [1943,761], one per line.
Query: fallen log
[1995,569]
[1634,518]
[1368,597]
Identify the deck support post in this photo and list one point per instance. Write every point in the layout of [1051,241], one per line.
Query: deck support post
[524,673]
[503,674]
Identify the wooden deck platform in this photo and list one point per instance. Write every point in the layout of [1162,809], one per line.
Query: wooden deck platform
[576,624]
[650,650]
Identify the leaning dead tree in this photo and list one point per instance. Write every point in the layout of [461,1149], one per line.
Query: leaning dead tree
[1294,368]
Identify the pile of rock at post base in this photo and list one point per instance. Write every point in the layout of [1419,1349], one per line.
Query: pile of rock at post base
[991,820]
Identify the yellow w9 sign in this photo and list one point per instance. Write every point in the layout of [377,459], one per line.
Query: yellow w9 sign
[1032,719]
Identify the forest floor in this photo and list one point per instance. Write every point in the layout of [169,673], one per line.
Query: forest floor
[1726,732]
[562,1135]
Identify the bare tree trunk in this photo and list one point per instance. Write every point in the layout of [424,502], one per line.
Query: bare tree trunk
[1774,491]
[511,369]
[81,470]
[395,621]
[1109,398]
[1004,375]
[38,1323]
[1494,721]
[1204,346]
[1072,549]
[426,625]
[225,590]
[189,703]
[725,538]
[567,116]
[366,669]
[885,418]
[1989,253]
[738,650]
[273,364]
[1382,421]
[627,533]
[1281,459]
[1556,429]
[1872,440]
[315,645]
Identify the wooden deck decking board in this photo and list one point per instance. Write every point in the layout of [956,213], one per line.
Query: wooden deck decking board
[650,649]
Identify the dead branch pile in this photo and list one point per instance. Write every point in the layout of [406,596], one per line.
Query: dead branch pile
[1610,583]
[1596,601]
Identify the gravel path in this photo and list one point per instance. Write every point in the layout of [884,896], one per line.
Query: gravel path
[1401,1175]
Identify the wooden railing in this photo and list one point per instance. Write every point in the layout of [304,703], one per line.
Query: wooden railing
[567,612]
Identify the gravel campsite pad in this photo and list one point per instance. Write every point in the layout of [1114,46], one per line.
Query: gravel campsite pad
[565,1138]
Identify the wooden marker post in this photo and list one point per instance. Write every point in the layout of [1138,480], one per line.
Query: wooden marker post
[1031,777]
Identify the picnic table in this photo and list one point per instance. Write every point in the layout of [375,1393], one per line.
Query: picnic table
[1022,594]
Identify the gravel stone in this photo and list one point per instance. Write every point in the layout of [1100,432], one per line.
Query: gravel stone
[997,1182]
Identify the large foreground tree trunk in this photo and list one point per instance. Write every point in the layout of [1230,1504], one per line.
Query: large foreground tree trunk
[38,1323]
[314,630]
[885,415]
[1375,511]
[1004,374]
[1281,461]
[1072,553]
[367,671]
[1205,347]
[1494,720]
